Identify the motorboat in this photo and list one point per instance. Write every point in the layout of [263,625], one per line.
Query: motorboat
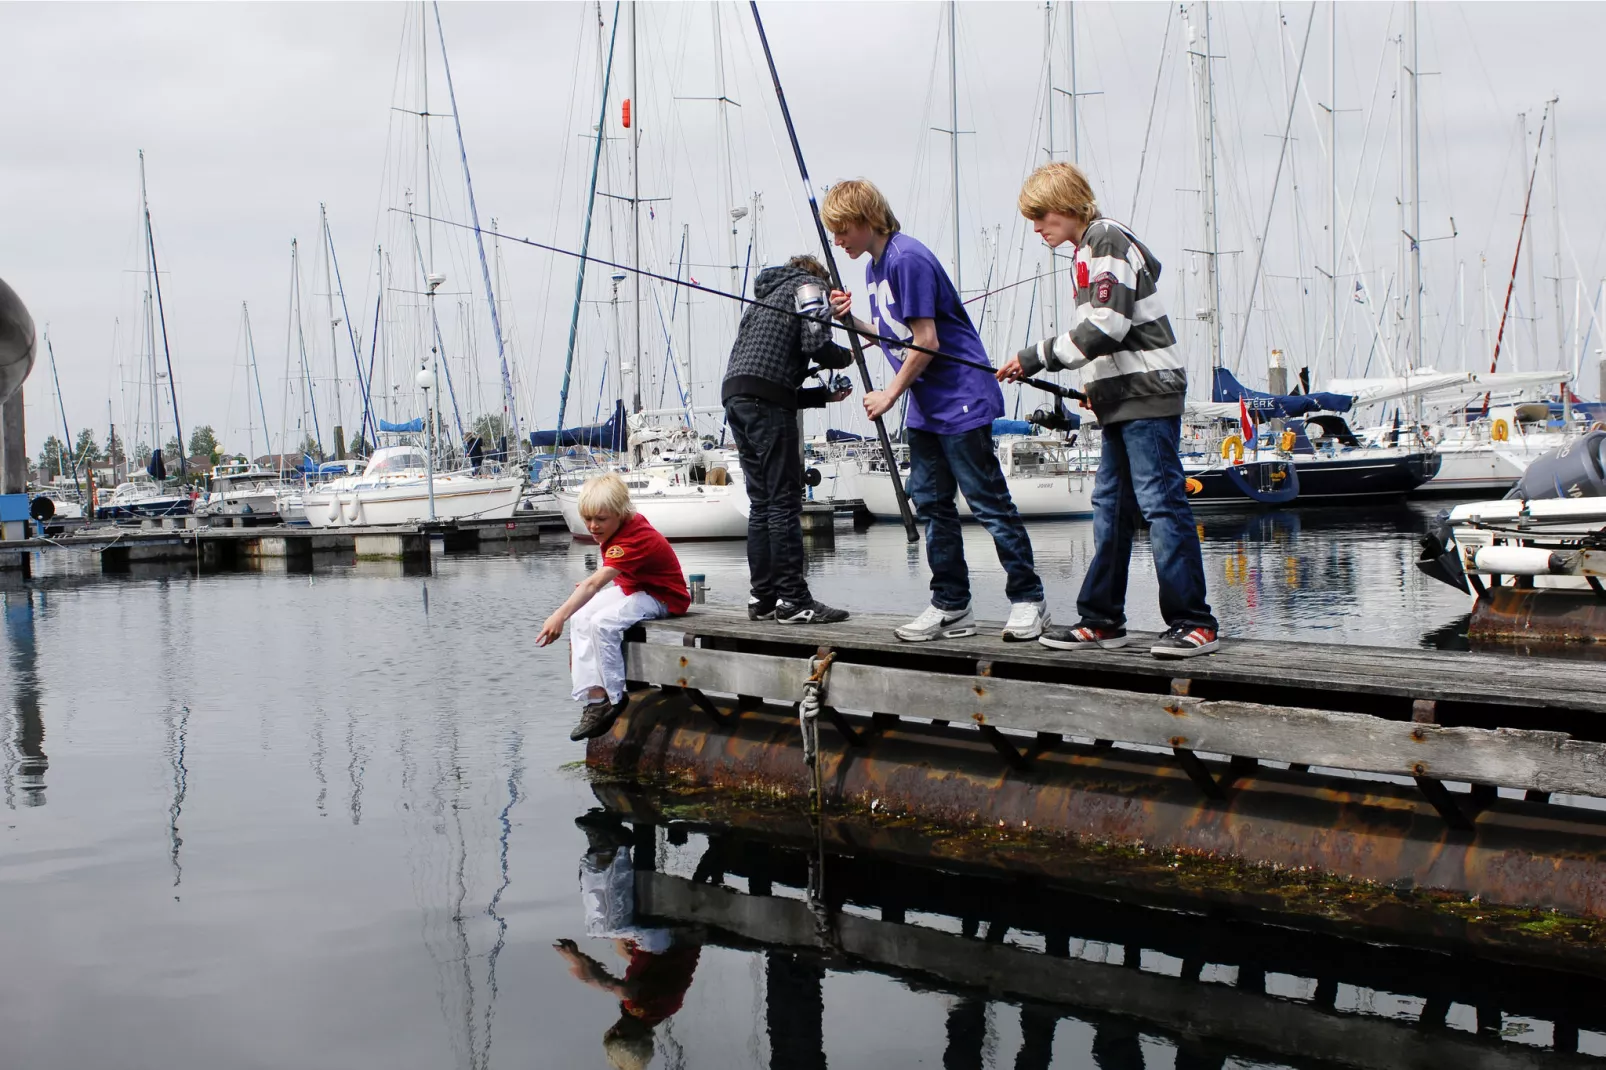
[1314,459]
[1548,532]
[143,498]
[241,489]
[395,487]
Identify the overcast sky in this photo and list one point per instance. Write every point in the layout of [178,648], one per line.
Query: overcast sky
[251,115]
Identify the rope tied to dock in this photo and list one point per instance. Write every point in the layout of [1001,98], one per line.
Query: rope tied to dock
[808,713]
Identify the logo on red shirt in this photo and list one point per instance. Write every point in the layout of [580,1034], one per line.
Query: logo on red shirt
[615,551]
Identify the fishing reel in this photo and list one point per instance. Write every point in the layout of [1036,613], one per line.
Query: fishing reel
[1053,421]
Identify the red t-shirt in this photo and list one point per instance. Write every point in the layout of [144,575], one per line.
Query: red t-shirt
[646,562]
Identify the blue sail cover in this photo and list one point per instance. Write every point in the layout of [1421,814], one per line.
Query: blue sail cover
[833,435]
[1011,427]
[415,424]
[1226,388]
[609,435]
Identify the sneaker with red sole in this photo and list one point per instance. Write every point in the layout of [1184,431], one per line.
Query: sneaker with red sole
[1082,636]
[1185,641]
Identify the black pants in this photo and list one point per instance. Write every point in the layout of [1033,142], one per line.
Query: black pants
[768,443]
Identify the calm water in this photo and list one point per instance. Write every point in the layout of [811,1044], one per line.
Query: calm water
[268,820]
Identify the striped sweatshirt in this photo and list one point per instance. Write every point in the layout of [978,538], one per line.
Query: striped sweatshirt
[1121,337]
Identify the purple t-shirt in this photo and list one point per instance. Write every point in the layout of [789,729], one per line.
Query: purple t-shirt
[908,283]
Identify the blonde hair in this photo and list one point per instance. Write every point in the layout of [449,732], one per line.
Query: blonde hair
[856,200]
[606,495]
[1058,187]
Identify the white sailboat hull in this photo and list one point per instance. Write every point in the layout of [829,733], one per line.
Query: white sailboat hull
[1039,497]
[456,498]
[697,511]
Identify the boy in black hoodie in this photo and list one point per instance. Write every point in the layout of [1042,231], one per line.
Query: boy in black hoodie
[762,394]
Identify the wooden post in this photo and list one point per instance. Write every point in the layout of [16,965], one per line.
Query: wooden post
[794,1011]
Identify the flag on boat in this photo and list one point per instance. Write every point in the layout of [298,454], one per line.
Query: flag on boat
[1245,423]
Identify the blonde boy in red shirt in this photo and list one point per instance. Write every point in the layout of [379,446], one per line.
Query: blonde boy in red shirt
[639,579]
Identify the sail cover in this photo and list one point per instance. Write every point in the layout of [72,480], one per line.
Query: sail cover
[1264,405]
[608,435]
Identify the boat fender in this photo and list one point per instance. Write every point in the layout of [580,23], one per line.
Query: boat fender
[353,509]
[334,509]
[1500,431]
[1286,442]
[1524,561]
[812,477]
[1233,446]
[1193,485]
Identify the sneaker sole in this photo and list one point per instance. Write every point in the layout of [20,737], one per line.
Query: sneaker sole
[806,620]
[1101,644]
[947,633]
[1021,637]
[1168,653]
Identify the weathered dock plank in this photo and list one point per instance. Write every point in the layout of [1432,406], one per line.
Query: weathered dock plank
[1408,675]
[1515,758]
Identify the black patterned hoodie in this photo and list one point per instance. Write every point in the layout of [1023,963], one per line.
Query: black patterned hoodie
[773,348]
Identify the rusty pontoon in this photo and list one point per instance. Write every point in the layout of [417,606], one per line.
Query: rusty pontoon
[1472,775]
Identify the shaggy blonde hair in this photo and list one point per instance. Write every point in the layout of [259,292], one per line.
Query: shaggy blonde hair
[1058,187]
[856,200]
[606,495]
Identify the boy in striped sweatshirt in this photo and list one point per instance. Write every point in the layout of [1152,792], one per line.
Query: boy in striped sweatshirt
[1132,374]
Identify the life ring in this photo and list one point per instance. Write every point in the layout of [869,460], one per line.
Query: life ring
[1193,485]
[1598,425]
[1286,442]
[1500,431]
[1232,446]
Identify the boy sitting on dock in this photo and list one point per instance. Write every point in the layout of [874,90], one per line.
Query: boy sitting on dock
[1135,383]
[639,579]
[952,407]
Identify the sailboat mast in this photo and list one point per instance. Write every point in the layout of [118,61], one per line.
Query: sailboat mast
[635,208]
[1332,181]
[256,377]
[1048,110]
[1555,227]
[953,129]
[1414,193]
[334,352]
[722,120]
[1207,145]
[510,414]
[161,315]
[67,443]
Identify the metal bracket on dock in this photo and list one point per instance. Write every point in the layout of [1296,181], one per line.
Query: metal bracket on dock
[1238,766]
[1426,711]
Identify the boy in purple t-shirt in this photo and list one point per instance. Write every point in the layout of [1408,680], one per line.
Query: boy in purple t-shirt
[952,407]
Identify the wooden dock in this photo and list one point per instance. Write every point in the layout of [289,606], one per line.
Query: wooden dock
[1450,771]
[225,545]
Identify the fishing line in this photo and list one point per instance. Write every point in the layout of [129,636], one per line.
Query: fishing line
[880,339]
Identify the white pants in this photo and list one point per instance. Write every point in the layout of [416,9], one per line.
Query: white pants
[596,631]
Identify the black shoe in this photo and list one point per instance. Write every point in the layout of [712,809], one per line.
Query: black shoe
[1083,636]
[810,612]
[597,718]
[604,831]
[1185,641]
[761,609]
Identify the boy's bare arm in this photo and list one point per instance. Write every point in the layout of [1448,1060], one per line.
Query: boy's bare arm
[877,402]
[583,593]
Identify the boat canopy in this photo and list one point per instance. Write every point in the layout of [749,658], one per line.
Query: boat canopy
[608,435]
[833,435]
[396,459]
[413,425]
[1225,388]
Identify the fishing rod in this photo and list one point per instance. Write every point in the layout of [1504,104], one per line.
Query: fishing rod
[855,332]
[836,281]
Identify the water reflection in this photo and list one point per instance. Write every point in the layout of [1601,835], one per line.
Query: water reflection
[223,715]
[23,757]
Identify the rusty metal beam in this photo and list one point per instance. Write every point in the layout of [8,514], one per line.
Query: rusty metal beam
[1517,853]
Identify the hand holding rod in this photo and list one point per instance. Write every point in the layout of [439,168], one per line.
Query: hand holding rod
[836,281]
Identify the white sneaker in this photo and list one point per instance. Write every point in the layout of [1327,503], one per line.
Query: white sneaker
[1026,621]
[934,623]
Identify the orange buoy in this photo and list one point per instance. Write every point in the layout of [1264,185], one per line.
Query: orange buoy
[627,113]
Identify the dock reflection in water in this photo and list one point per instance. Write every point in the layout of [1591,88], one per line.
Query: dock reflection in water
[363,781]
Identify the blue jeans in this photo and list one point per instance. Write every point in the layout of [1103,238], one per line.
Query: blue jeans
[939,467]
[1140,474]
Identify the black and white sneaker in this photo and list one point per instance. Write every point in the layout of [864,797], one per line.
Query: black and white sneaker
[1083,636]
[811,612]
[761,609]
[1185,641]
[597,718]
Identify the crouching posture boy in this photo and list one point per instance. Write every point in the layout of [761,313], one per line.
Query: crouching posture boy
[1134,380]
[639,579]
[951,411]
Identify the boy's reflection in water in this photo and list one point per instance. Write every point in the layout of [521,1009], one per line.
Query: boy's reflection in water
[660,962]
